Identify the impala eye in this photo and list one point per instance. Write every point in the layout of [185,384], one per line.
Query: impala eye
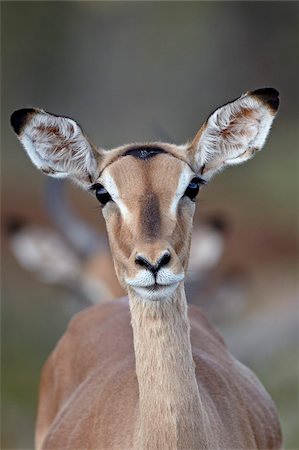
[101,194]
[193,188]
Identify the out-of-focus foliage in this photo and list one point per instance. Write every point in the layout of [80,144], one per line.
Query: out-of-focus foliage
[138,71]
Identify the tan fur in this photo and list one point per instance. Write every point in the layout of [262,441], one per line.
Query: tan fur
[89,394]
[152,385]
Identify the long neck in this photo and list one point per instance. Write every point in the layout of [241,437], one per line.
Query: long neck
[171,414]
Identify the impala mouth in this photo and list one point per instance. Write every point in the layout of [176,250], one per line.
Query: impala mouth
[156,291]
[155,287]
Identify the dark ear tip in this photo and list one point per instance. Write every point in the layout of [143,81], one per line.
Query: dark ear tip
[14,225]
[270,96]
[19,118]
[219,223]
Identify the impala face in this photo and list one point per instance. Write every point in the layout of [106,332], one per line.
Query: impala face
[148,197]
[148,190]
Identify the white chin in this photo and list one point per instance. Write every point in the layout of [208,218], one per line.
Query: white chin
[155,293]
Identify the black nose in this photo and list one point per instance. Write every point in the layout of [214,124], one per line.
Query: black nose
[162,261]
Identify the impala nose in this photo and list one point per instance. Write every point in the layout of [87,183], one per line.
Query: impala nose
[162,261]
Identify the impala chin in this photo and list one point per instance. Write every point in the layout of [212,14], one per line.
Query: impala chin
[156,292]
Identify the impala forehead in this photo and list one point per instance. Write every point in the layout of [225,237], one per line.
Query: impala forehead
[163,177]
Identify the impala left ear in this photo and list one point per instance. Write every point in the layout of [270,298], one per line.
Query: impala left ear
[56,145]
[234,132]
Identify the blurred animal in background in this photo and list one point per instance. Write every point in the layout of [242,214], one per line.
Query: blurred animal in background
[73,255]
[147,371]
[70,253]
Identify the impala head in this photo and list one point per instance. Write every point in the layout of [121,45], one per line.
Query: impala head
[148,191]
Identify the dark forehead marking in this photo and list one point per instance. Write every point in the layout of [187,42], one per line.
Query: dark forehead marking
[145,146]
[150,215]
[144,152]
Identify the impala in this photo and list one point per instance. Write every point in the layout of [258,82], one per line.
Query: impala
[146,372]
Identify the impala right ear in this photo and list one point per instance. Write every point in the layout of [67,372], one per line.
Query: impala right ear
[56,145]
[234,132]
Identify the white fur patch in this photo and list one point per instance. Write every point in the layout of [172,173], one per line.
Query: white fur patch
[183,182]
[166,277]
[144,278]
[110,185]
[144,284]
[162,293]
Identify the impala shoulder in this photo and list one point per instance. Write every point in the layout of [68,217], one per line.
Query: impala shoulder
[94,315]
[262,412]
[92,332]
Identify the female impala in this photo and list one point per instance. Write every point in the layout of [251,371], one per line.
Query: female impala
[153,384]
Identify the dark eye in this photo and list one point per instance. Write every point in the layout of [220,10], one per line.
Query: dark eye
[101,193]
[193,188]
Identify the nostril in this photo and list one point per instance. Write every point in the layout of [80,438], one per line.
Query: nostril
[144,263]
[164,260]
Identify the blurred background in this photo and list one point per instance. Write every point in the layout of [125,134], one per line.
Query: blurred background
[136,71]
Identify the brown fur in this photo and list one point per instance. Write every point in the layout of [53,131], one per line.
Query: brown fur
[150,215]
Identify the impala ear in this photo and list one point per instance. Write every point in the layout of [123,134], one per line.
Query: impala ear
[56,145]
[234,132]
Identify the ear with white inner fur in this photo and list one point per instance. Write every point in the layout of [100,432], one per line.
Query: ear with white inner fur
[56,145]
[234,132]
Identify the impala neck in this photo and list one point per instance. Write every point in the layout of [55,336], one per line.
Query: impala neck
[170,410]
